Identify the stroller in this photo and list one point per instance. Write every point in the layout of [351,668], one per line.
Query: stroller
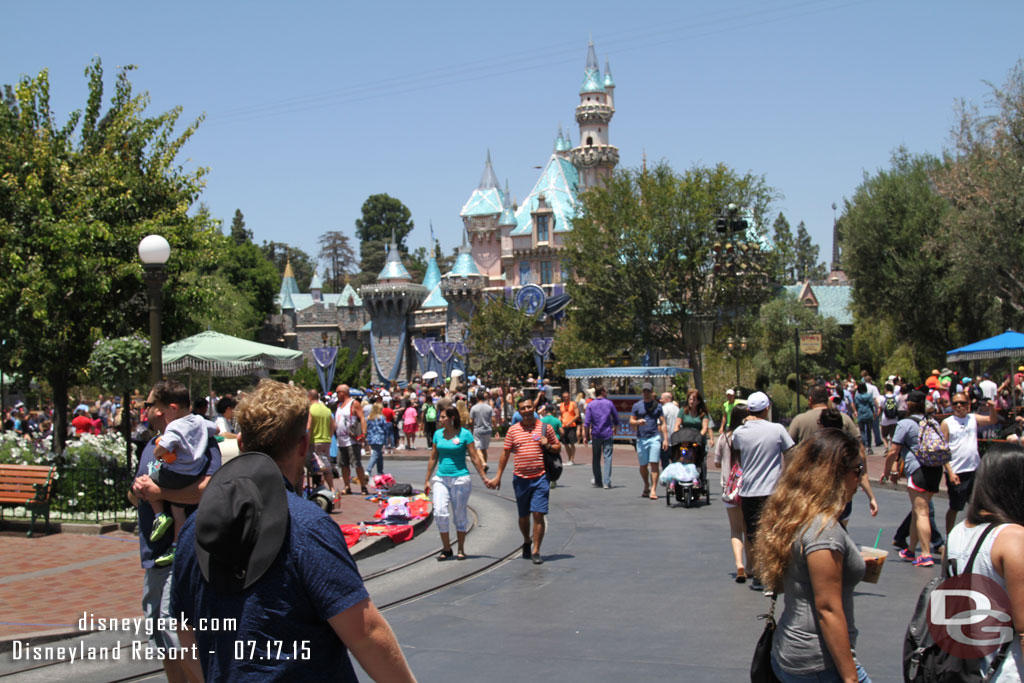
[688,490]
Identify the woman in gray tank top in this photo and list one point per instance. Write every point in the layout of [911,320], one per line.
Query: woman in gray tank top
[803,549]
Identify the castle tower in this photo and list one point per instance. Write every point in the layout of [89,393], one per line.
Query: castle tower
[481,216]
[462,288]
[390,302]
[594,158]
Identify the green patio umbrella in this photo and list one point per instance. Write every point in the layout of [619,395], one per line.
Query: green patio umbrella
[224,355]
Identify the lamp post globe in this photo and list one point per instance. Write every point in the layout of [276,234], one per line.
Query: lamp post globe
[154,251]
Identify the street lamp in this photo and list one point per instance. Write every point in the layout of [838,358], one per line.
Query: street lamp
[154,252]
[736,347]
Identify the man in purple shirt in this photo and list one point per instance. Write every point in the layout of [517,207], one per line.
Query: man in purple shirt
[600,422]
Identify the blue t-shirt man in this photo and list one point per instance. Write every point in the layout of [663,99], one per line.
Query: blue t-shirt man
[312,579]
[649,412]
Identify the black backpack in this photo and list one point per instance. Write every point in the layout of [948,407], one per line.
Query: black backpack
[924,661]
[889,408]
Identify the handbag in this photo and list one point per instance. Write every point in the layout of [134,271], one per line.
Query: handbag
[552,459]
[731,492]
[761,666]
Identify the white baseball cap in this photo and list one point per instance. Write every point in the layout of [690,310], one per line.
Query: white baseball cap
[730,392]
[757,402]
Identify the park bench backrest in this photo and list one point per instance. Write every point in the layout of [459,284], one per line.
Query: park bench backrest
[20,484]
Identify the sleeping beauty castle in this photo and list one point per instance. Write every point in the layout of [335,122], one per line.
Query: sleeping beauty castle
[509,248]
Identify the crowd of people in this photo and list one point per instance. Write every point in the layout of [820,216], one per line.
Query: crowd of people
[788,491]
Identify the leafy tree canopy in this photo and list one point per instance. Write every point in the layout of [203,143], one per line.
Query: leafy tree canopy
[381,214]
[499,341]
[641,251]
[280,253]
[75,201]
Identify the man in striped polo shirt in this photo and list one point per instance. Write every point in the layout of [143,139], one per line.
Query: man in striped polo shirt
[525,439]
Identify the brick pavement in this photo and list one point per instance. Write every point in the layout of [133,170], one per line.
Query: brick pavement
[47,582]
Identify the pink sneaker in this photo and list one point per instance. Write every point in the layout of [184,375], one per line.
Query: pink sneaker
[924,561]
[906,555]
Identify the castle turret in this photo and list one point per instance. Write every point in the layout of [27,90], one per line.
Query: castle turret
[462,288]
[390,302]
[594,158]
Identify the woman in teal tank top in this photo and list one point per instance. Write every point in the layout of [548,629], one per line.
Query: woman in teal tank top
[451,484]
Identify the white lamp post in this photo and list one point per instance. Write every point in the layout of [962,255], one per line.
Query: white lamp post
[154,252]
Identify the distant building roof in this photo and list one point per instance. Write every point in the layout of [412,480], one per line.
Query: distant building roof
[833,300]
[558,183]
[316,282]
[592,73]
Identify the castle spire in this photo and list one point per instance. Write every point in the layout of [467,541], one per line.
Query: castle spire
[488,180]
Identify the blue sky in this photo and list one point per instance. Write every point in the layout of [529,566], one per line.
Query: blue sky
[311,107]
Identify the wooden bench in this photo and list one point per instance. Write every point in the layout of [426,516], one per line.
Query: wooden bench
[27,486]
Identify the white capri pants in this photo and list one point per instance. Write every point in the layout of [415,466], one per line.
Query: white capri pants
[451,499]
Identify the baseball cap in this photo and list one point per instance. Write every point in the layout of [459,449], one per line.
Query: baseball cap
[916,396]
[646,386]
[757,402]
[730,392]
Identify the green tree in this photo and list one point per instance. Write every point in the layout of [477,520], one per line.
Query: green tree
[774,344]
[805,256]
[982,241]
[75,200]
[337,256]
[571,350]
[280,254]
[382,215]
[255,280]
[121,365]
[896,277]
[238,231]
[643,259]
[499,341]
[782,238]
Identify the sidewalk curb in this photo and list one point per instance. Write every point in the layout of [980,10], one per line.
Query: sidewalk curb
[85,529]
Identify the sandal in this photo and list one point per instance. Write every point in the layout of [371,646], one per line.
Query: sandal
[654,495]
[348,491]
[445,555]
[365,491]
[460,555]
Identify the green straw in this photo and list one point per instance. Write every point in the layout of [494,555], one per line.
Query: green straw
[878,538]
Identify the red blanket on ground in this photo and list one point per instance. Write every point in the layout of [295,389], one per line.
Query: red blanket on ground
[399,533]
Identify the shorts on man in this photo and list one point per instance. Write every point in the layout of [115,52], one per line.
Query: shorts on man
[960,494]
[349,455]
[648,450]
[531,495]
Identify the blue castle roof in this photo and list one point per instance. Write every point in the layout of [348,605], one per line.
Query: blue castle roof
[591,73]
[558,183]
[486,199]
[393,267]
[435,300]
[433,275]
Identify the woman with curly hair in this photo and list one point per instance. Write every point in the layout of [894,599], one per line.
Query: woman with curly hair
[804,550]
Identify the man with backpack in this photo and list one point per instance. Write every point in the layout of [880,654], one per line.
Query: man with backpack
[919,441]
[889,408]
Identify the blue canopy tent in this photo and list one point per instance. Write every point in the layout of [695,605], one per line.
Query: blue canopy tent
[1009,344]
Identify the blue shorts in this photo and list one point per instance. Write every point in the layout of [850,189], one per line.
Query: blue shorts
[648,449]
[531,495]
